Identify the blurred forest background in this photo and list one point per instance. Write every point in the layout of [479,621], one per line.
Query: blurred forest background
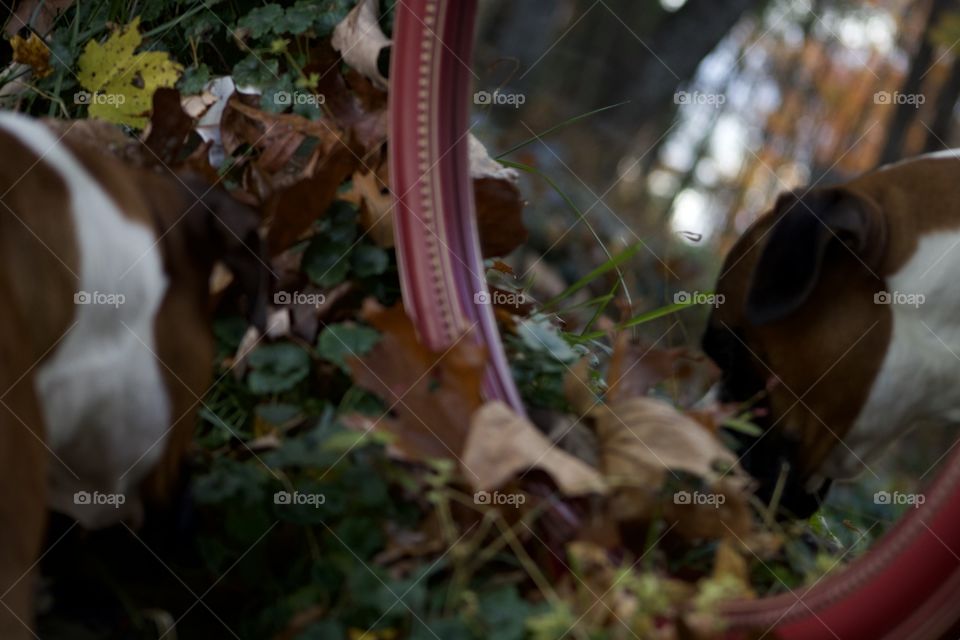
[716,107]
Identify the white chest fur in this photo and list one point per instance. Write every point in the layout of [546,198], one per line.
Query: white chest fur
[105,407]
[919,379]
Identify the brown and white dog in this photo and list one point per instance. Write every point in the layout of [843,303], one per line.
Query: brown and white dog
[842,314]
[105,341]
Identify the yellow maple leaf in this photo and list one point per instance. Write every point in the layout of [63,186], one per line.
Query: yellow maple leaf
[32,52]
[120,83]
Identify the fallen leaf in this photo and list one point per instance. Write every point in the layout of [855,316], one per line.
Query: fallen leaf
[121,82]
[644,441]
[431,393]
[39,15]
[32,52]
[376,205]
[356,105]
[635,369]
[292,210]
[502,267]
[169,127]
[279,135]
[577,388]
[362,43]
[499,205]
[502,444]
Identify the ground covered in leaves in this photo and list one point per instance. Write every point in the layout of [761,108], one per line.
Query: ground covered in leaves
[346,481]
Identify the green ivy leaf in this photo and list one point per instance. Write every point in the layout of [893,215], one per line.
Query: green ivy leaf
[326,263]
[255,72]
[277,367]
[326,260]
[229,479]
[446,628]
[337,342]
[340,223]
[194,79]
[369,260]
[203,25]
[262,20]
[274,96]
[323,630]
[229,332]
[298,18]
[505,613]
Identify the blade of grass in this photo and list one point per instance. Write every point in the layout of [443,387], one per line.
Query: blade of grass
[601,308]
[640,319]
[557,127]
[592,302]
[580,216]
[656,313]
[612,264]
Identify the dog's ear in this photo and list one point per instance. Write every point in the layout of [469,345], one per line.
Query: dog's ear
[227,230]
[804,229]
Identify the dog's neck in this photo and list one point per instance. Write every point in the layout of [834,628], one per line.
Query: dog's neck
[919,380]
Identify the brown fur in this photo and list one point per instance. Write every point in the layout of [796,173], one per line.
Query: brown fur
[36,290]
[830,350]
[38,278]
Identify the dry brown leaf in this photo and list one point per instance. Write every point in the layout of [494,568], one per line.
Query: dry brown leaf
[276,135]
[642,440]
[576,387]
[502,267]
[34,53]
[361,41]
[357,106]
[502,444]
[198,162]
[432,394]
[42,19]
[635,368]
[376,204]
[653,433]
[169,127]
[292,210]
[498,201]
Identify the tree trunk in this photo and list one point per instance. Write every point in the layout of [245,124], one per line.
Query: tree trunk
[905,113]
[938,137]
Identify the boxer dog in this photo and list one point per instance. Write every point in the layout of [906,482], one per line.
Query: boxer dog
[841,320]
[105,341]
